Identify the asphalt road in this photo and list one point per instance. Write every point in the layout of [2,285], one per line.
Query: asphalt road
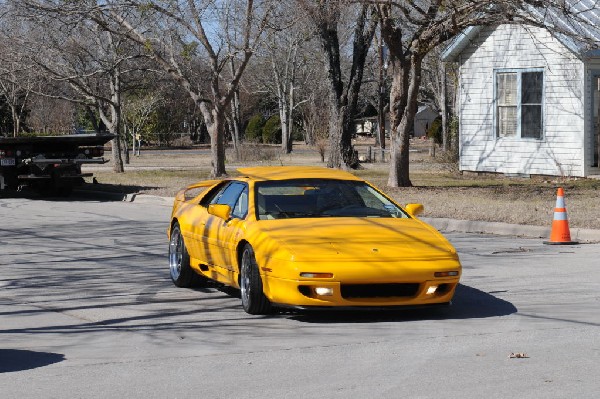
[87,310]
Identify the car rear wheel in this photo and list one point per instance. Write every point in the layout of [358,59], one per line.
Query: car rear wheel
[254,300]
[179,261]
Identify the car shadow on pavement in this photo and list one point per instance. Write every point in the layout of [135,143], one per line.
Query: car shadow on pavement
[87,192]
[18,360]
[109,191]
[468,303]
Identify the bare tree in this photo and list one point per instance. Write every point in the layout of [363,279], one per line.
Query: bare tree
[314,109]
[326,16]
[173,23]
[375,88]
[48,115]
[82,53]
[435,89]
[137,116]
[289,52]
[17,79]
[15,88]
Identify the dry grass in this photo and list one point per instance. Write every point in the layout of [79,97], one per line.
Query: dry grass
[444,193]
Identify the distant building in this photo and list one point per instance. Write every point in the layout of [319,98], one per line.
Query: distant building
[366,126]
[423,119]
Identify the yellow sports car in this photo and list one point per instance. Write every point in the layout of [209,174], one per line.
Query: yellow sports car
[308,237]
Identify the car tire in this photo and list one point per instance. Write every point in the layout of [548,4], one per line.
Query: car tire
[254,300]
[180,270]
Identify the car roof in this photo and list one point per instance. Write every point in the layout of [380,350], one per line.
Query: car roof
[294,172]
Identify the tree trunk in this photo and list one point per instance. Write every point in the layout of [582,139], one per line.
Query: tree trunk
[235,123]
[285,133]
[114,127]
[133,142]
[328,36]
[125,149]
[343,103]
[399,162]
[381,98]
[215,124]
[335,133]
[290,131]
[117,160]
[399,156]
[16,120]
[117,120]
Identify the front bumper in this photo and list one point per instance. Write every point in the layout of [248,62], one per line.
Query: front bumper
[304,293]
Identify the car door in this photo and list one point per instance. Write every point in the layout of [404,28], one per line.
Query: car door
[225,234]
[197,224]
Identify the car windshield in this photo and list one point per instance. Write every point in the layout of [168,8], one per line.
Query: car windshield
[307,198]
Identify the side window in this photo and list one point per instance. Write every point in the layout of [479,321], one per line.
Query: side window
[240,210]
[234,194]
[214,193]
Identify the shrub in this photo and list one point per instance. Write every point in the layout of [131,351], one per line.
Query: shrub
[254,129]
[435,130]
[271,131]
[252,151]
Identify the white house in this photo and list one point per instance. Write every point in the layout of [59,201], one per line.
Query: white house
[527,101]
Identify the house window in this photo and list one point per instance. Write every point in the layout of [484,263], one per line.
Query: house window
[519,103]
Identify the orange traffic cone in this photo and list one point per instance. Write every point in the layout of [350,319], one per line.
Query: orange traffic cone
[560,234]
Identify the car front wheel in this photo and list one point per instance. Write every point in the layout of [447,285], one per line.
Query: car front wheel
[254,300]
[181,272]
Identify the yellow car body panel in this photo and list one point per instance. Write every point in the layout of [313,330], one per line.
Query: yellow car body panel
[353,253]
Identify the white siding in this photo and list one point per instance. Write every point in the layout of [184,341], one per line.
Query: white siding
[561,150]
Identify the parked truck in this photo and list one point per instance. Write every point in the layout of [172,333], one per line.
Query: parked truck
[50,165]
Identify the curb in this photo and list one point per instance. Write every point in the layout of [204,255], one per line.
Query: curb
[114,196]
[507,229]
[149,199]
[155,199]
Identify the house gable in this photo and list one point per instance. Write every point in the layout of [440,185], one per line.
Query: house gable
[482,54]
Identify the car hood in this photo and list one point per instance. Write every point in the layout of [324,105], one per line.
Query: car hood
[357,239]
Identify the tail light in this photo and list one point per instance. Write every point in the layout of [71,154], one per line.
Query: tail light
[93,151]
[6,153]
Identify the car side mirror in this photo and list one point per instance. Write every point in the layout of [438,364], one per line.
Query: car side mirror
[220,210]
[414,209]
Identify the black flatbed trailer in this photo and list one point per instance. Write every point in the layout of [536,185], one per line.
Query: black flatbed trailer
[50,165]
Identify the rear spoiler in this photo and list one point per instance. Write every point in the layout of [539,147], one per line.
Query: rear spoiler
[183,195]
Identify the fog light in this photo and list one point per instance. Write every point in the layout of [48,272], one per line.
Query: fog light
[432,289]
[324,291]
